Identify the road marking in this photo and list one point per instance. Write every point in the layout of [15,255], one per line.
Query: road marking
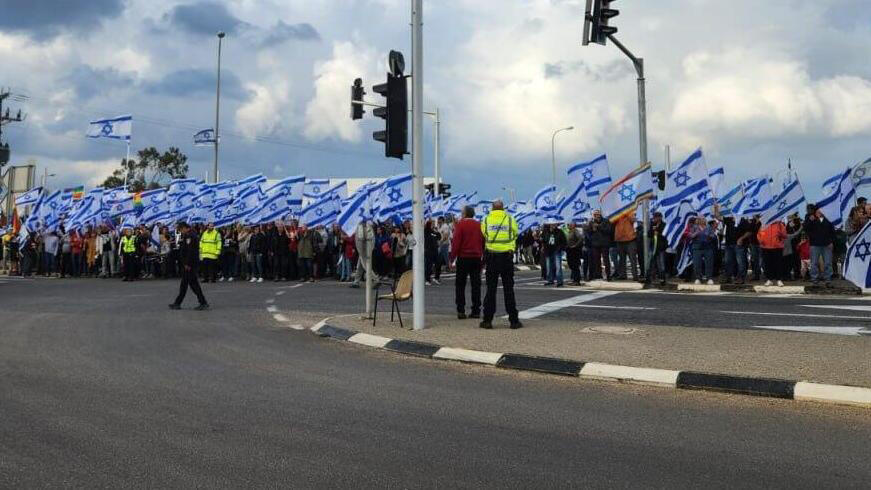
[272,309]
[270,300]
[281,318]
[546,308]
[292,287]
[850,331]
[840,307]
[279,293]
[803,315]
[615,307]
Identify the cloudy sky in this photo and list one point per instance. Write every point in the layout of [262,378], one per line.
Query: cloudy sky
[753,83]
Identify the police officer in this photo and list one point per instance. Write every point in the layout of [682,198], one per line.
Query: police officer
[128,253]
[210,250]
[500,233]
[189,256]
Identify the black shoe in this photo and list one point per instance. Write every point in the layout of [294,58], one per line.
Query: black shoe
[516,325]
[486,324]
[461,316]
[475,315]
[202,306]
[173,306]
[828,284]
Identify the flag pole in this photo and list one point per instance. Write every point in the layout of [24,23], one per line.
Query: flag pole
[126,164]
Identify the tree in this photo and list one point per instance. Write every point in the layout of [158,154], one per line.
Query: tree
[150,171]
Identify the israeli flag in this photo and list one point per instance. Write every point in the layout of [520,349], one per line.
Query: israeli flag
[123,207]
[756,199]
[624,195]
[29,197]
[677,222]
[152,197]
[862,174]
[249,181]
[715,180]
[112,196]
[545,200]
[246,203]
[183,186]
[119,128]
[205,137]
[293,187]
[130,222]
[841,195]
[686,259]
[395,199]
[201,213]
[787,202]
[156,213]
[354,211]
[857,262]
[728,201]
[224,190]
[181,205]
[482,209]
[322,211]
[594,175]
[315,188]
[688,181]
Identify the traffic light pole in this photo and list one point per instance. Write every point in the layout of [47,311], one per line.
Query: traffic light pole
[417,161]
[642,135]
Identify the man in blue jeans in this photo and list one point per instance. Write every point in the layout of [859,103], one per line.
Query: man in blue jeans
[821,235]
[554,242]
[703,239]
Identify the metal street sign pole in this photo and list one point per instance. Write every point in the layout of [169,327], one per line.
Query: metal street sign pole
[417,161]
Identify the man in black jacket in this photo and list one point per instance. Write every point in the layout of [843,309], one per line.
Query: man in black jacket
[821,235]
[189,256]
[600,241]
[554,243]
[658,245]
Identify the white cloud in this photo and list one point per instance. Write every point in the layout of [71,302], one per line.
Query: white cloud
[328,112]
[263,114]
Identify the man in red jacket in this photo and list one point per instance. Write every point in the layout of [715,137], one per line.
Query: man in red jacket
[467,247]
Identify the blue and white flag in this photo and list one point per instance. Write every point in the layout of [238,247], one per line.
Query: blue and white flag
[123,207]
[111,196]
[676,222]
[756,199]
[273,208]
[841,196]
[395,198]
[202,210]
[862,174]
[29,197]
[130,222]
[545,200]
[183,186]
[251,180]
[294,188]
[575,208]
[715,180]
[152,197]
[857,262]
[688,181]
[355,210]
[323,211]
[686,259]
[787,202]
[224,190]
[205,137]
[155,238]
[119,128]
[728,201]
[156,213]
[315,188]
[594,175]
[621,198]
[482,209]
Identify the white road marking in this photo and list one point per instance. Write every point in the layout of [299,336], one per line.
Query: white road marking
[270,300]
[614,307]
[849,331]
[279,293]
[281,318]
[840,307]
[803,315]
[296,326]
[272,309]
[546,308]
[292,287]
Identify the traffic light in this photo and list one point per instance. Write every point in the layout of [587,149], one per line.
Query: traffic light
[596,28]
[357,94]
[660,179]
[395,112]
[443,190]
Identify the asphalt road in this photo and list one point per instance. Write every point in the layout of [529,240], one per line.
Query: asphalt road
[102,386]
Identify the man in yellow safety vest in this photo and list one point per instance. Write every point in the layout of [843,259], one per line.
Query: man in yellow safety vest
[128,254]
[500,235]
[210,250]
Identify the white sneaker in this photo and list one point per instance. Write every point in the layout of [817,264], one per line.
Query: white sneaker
[253,279]
[221,279]
[436,282]
[229,279]
[768,283]
[710,282]
[780,283]
[260,280]
[698,282]
[428,283]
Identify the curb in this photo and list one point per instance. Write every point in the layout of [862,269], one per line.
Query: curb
[685,380]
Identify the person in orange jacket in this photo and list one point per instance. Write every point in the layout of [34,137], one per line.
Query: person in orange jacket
[771,238]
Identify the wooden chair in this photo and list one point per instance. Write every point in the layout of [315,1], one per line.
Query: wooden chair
[400,291]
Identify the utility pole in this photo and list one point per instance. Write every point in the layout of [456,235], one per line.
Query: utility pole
[6,118]
[221,35]
[436,167]
[417,161]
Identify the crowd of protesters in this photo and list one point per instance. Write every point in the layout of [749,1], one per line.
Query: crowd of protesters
[722,248]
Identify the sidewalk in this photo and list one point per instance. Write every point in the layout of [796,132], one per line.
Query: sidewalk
[831,359]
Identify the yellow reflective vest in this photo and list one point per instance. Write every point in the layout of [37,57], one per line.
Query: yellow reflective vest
[500,231]
[128,244]
[210,244]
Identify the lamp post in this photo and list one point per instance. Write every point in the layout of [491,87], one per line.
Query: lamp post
[221,35]
[511,194]
[45,176]
[553,149]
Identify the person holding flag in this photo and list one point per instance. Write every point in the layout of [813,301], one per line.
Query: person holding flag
[189,256]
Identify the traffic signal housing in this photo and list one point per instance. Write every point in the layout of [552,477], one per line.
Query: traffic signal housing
[395,114]
[597,26]
[357,94]
[443,190]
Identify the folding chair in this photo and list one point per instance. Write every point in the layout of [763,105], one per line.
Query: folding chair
[399,291]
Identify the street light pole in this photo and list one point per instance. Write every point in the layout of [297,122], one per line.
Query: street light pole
[437,168]
[221,35]
[553,149]
[417,161]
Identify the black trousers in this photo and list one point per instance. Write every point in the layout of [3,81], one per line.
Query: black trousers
[131,269]
[573,257]
[210,272]
[598,257]
[189,279]
[468,268]
[500,266]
